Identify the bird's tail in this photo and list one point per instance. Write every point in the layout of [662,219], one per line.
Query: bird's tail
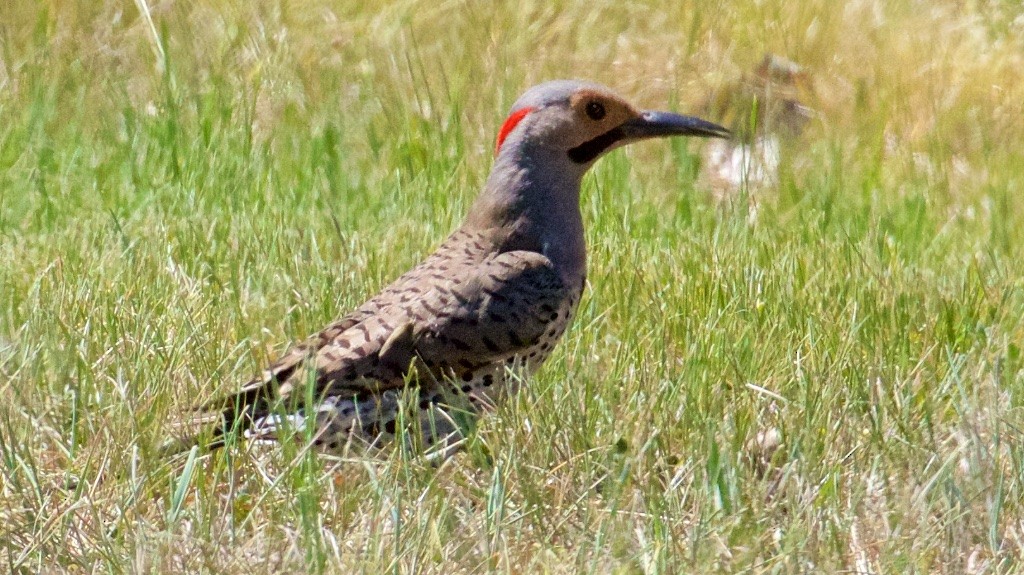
[208,424]
[203,427]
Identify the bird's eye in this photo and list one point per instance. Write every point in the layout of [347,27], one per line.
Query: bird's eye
[595,110]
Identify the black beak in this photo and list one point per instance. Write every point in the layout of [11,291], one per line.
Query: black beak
[657,124]
[646,125]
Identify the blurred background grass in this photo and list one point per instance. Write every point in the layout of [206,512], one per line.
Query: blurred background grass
[186,187]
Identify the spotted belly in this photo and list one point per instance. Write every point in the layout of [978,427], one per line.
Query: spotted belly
[436,412]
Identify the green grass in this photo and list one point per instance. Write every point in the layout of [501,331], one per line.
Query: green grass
[181,200]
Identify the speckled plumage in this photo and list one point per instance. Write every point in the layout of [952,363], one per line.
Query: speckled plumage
[459,319]
[496,296]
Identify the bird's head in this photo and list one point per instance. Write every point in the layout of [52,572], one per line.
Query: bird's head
[583,121]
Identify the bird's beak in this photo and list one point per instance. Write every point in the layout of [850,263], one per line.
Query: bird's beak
[645,125]
[656,124]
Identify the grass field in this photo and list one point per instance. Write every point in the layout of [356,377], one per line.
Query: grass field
[834,386]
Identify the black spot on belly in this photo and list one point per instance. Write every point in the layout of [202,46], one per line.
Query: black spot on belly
[490,345]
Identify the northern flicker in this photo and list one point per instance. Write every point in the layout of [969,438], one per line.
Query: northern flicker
[766,110]
[494,298]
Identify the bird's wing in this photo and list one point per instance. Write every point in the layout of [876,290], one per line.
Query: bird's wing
[448,319]
[498,313]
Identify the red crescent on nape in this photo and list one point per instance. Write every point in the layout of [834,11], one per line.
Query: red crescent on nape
[510,124]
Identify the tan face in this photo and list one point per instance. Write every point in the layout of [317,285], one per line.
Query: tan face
[594,113]
[587,114]
[597,112]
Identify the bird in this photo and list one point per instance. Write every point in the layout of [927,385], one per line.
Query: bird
[458,333]
[767,112]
